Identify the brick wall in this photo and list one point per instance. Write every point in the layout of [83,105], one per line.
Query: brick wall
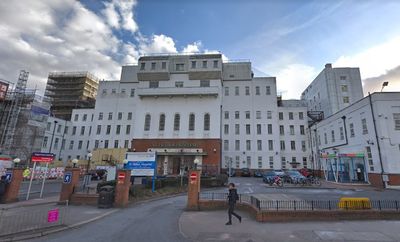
[84,199]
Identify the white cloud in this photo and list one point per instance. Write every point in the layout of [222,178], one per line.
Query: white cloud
[192,48]
[293,79]
[119,14]
[157,44]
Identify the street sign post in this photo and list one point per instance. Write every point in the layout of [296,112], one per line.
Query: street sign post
[121,177]
[193,177]
[142,164]
[67,177]
[40,157]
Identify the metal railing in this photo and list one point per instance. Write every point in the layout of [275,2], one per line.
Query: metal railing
[32,218]
[306,205]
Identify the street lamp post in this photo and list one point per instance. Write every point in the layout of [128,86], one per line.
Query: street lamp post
[230,167]
[87,177]
[89,156]
[16,162]
[196,162]
[47,163]
[74,162]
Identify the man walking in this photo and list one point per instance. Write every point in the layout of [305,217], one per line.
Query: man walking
[232,198]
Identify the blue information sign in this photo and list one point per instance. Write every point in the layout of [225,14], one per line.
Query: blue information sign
[8,176]
[67,177]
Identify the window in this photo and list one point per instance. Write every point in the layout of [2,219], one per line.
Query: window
[303,146]
[301,115]
[247,114]
[341,133]
[113,91]
[291,128]
[248,159]
[76,117]
[153,84]
[66,130]
[226,114]
[369,158]
[161,124]
[90,130]
[191,122]
[205,83]
[346,100]
[237,129]
[248,144]
[45,139]
[163,65]
[283,162]
[74,130]
[294,160]
[132,92]
[96,144]
[271,162]
[396,118]
[110,116]
[352,134]
[258,114]
[344,88]
[123,91]
[108,131]
[290,116]
[257,90]
[100,116]
[104,92]
[126,144]
[268,90]
[226,145]
[129,116]
[342,78]
[204,64]
[193,64]
[247,90]
[177,122]
[142,66]
[258,128]
[215,64]
[269,114]
[226,92]
[237,115]
[281,130]
[259,144]
[128,129]
[106,144]
[226,129]
[147,120]
[364,126]
[83,130]
[293,145]
[59,128]
[259,158]
[270,145]
[247,128]
[179,67]
[269,128]
[80,143]
[207,122]
[236,91]
[325,138]
[71,145]
[302,131]
[153,65]
[305,162]
[237,144]
[280,116]
[119,115]
[283,145]
[84,117]
[116,144]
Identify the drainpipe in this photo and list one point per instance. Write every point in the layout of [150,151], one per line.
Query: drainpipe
[377,140]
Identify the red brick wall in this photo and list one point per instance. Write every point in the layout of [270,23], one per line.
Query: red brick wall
[208,145]
[375,180]
[394,179]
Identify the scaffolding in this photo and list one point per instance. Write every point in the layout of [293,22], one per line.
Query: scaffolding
[7,136]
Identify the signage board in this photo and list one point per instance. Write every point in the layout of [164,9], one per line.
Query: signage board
[52,215]
[3,90]
[8,176]
[42,157]
[67,177]
[141,163]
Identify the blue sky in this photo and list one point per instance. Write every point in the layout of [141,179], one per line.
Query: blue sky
[289,39]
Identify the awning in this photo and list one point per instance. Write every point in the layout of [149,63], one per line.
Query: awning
[182,153]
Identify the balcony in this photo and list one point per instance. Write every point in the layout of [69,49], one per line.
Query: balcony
[174,91]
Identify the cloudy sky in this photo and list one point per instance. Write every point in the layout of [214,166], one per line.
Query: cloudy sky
[289,39]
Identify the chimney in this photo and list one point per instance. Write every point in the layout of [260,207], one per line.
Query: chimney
[328,65]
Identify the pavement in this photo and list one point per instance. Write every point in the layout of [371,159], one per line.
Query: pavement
[210,226]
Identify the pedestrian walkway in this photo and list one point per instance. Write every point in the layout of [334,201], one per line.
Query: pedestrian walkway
[210,226]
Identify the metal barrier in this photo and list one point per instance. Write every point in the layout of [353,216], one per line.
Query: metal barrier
[306,205]
[24,219]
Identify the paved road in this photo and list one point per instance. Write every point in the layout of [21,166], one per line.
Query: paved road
[251,185]
[151,222]
[51,188]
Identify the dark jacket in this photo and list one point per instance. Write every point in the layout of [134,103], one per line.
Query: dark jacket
[233,196]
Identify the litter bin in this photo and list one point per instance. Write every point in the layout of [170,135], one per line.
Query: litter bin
[106,197]
[3,185]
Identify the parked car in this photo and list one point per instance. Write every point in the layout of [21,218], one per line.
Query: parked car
[295,177]
[258,173]
[245,172]
[269,176]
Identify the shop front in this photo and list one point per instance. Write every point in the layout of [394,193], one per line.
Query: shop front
[345,168]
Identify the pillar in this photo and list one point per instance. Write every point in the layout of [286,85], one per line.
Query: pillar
[68,186]
[12,189]
[122,188]
[193,189]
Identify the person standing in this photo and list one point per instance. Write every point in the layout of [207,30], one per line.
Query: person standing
[232,198]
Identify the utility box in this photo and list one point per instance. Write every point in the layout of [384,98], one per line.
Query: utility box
[106,197]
